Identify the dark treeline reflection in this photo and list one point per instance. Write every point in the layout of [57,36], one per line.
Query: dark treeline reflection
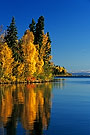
[28,105]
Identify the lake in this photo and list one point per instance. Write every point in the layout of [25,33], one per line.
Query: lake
[61,107]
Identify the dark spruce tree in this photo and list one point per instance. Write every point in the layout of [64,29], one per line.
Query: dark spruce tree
[39,31]
[11,39]
[47,49]
[32,26]
[1,29]
[49,40]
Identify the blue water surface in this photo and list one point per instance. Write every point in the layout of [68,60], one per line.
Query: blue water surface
[61,107]
[70,113]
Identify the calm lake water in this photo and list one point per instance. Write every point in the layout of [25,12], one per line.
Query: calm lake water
[58,108]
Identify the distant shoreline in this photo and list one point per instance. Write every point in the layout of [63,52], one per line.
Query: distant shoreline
[74,76]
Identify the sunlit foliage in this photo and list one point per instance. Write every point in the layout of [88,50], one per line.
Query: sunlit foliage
[59,70]
[27,59]
[30,54]
[6,63]
[45,48]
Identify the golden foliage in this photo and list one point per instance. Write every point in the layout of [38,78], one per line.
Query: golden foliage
[33,62]
[31,56]
[45,48]
[60,69]
[6,62]
[29,51]
[19,71]
[39,66]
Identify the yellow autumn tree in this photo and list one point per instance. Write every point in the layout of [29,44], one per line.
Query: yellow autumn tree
[18,71]
[29,51]
[6,63]
[45,48]
[44,54]
[60,70]
[32,63]
[39,64]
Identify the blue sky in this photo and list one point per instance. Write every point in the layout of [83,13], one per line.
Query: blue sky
[68,22]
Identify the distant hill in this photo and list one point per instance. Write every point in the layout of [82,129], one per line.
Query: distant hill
[84,73]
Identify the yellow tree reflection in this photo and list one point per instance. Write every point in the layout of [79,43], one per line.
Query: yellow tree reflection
[30,103]
[6,102]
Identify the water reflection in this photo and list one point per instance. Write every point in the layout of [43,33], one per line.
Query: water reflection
[59,83]
[29,105]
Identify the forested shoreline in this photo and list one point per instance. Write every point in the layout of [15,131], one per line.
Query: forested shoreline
[27,59]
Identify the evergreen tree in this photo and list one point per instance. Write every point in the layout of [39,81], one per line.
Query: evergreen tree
[39,31]
[1,28]
[11,38]
[47,48]
[32,26]
[2,34]
[48,45]
[49,40]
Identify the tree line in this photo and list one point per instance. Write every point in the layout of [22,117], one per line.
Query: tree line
[27,59]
